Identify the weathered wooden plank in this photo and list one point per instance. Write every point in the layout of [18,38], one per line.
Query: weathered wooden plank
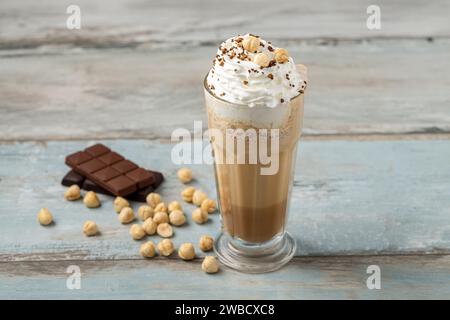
[402,277]
[127,22]
[349,197]
[147,93]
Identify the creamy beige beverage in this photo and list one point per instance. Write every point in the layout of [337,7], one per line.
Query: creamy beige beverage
[254,206]
[254,86]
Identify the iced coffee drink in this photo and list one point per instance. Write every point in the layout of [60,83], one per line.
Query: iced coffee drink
[254,98]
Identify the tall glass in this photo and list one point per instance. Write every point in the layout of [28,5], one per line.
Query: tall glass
[254,195]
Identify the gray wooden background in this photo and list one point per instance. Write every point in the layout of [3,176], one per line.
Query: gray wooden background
[372,184]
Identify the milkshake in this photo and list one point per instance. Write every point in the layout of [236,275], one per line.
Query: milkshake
[254,95]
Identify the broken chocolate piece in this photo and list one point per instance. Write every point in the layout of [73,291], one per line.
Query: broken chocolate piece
[72,178]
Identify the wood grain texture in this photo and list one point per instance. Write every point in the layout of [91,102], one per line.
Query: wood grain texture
[349,197]
[402,277]
[135,70]
[128,23]
[368,88]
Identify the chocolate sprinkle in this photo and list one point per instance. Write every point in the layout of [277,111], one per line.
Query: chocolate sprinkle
[272,63]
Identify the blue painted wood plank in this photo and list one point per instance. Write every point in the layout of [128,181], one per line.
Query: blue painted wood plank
[381,93]
[350,197]
[197,23]
[402,277]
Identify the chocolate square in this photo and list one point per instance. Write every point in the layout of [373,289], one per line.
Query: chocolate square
[142,177]
[77,158]
[110,158]
[124,166]
[159,178]
[106,174]
[92,165]
[97,150]
[122,185]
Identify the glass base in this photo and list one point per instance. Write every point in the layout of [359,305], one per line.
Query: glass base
[255,258]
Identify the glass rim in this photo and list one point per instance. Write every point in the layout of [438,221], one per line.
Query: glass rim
[205,86]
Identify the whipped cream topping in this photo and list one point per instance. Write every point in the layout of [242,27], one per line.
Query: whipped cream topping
[236,78]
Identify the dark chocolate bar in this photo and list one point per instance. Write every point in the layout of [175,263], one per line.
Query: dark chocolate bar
[110,171]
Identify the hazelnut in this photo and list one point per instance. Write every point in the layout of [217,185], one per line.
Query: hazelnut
[147,249]
[187,194]
[126,215]
[149,226]
[177,218]
[161,207]
[261,59]
[145,212]
[210,264]
[161,217]
[208,205]
[186,251]
[251,43]
[198,197]
[73,193]
[90,228]
[120,203]
[45,217]
[153,199]
[185,175]
[137,232]
[91,200]
[165,247]
[199,216]
[206,243]
[281,55]
[174,205]
[164,230]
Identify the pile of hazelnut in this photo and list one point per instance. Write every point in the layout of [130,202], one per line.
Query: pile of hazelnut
[157,218]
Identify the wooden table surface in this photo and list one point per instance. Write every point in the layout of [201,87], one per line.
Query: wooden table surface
[372,183]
